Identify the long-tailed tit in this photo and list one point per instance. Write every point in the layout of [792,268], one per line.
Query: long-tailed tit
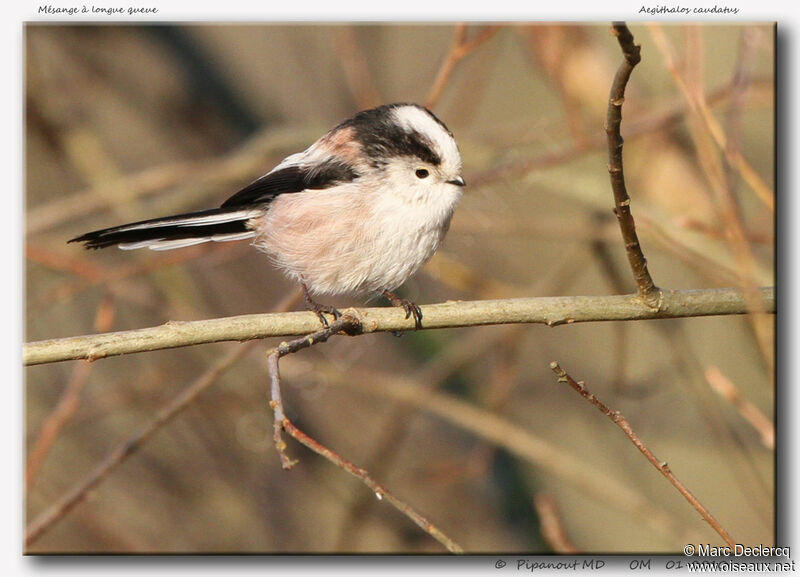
[359,211]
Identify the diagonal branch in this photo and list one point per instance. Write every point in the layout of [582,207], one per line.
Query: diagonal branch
[662,466]
[648,291]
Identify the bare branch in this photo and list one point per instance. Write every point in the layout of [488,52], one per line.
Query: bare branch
[648,291]
[662,466]
[348,324]
[380,492]
[551,311]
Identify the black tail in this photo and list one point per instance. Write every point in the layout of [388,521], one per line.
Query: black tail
[218,224]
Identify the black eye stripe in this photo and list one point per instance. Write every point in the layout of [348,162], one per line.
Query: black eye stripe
[415,144]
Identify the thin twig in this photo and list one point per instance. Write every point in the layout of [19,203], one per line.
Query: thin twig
[662,466]
[350,324]
[552,311]
[648,291]
[380,492]
[458,50]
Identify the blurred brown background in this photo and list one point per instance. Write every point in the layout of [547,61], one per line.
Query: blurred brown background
[133,122]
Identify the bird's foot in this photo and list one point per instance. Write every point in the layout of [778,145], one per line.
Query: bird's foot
[411,308]
[319,308]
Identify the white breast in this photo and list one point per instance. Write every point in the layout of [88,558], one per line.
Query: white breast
[353,239]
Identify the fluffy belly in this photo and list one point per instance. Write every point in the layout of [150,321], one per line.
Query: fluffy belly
[341,245]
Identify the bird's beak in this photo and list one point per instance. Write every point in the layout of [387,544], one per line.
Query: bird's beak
[458,181]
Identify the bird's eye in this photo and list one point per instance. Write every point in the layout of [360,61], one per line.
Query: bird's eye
[422,173]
